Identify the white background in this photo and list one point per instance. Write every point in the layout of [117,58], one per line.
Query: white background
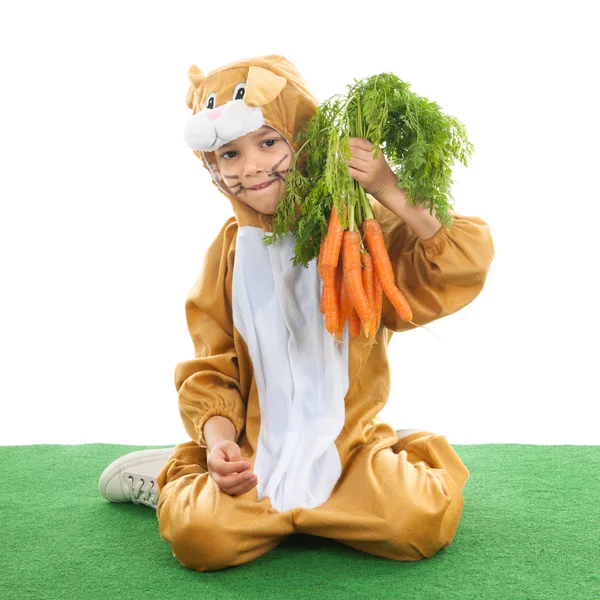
[106,214]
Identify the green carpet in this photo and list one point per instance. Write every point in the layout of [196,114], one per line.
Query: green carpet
[530,529]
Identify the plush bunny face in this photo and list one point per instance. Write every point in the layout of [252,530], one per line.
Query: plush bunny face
[222,111]
[240,98]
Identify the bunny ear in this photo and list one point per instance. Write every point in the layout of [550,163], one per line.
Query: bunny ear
[196,77]
[262,86]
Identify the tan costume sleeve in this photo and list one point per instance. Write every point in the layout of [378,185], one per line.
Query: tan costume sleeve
[209,384]
[437,276]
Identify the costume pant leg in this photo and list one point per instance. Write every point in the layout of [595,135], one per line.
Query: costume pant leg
[402,502]
[208,529]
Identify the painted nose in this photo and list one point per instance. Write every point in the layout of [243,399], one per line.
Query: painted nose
[214,113]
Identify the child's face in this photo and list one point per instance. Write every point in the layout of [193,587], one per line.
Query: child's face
[258,157]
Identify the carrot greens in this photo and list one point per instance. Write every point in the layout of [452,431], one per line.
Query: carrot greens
[419,142]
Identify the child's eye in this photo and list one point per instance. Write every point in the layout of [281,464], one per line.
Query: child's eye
[224,155]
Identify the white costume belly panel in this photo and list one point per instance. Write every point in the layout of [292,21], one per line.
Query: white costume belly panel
[301,377]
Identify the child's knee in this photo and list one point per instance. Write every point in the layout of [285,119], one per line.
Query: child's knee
[426,526]
[204,543]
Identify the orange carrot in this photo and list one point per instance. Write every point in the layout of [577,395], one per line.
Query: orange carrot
[320,261]
[367,279]
[320,271]
[345,307]
[354,323]
[383,268]
[338,289]
[353,277]
[378,300]
[339,282]
[331,309]
[333,240]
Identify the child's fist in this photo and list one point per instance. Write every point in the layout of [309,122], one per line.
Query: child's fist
[229,470]
[375,175]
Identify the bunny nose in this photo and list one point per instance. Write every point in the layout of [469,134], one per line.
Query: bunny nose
[214,113]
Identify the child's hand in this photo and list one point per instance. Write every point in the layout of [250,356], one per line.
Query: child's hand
[376,176]
[229,470]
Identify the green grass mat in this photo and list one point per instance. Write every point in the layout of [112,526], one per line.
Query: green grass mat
[530,530]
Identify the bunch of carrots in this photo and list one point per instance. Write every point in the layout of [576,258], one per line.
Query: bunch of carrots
[355,278]
[420,144]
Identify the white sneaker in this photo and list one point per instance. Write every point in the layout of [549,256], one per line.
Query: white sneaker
[132,477]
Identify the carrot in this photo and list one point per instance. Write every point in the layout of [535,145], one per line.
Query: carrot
[345,306]
[340,286]
[354,323]
[377,296]
[330,301]
[336,287]
[353,277]
[378,300]
[320,261]
[333,240]
[367,279]
[338,275]
[320,271]
[383,268]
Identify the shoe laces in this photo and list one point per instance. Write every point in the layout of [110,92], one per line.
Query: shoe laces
[143,490]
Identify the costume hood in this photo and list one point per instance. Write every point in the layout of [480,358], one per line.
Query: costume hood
[240,98]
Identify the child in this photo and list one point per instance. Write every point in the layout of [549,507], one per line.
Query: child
[283,420]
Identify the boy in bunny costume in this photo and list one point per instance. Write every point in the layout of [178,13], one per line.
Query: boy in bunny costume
[302,409]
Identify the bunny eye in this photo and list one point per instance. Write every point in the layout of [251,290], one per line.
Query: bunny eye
[239,91]
[212,98]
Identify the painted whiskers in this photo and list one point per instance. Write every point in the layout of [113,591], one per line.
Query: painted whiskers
[272,173]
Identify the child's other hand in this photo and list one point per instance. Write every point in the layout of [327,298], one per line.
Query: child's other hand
[229,470]
[376,176]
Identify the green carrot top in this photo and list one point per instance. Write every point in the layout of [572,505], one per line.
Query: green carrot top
[419,142]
